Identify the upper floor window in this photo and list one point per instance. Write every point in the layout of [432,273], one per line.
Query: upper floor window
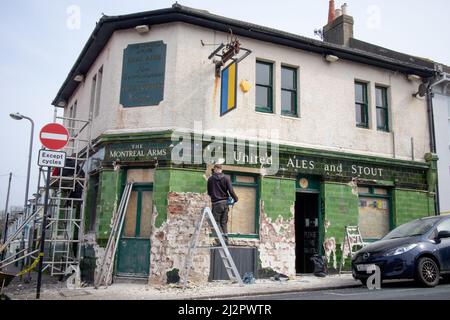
[92,102]
[289,91]
[96,89]
[264,87]
[361,105]
[382,109]
[71,123]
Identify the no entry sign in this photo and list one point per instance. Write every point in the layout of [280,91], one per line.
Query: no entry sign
[54,136]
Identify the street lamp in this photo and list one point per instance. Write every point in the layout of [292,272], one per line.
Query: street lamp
[18,116]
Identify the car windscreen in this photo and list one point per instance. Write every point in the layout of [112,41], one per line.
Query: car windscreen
[413,228]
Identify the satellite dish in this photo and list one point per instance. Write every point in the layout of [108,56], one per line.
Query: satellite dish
[422,90]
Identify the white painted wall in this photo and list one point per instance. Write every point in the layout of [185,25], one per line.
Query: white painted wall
[326,96]
[441,108]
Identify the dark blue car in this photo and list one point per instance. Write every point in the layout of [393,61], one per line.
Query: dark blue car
[418,250]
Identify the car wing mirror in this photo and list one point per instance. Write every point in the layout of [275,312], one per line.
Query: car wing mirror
[443,234]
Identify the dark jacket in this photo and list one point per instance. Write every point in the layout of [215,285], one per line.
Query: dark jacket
[219,186]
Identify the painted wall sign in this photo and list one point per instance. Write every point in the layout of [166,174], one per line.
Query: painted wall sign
[288,164]
[335,167]
[143,72]
[142,151]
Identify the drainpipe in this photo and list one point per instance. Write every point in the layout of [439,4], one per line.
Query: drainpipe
[431,126]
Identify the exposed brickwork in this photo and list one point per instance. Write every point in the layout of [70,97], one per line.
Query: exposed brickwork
[170,241]
[173,180]
[277,241]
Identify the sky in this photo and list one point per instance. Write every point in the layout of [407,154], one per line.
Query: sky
[41,39]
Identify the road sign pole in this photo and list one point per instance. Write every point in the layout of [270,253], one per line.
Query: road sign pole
[42,244]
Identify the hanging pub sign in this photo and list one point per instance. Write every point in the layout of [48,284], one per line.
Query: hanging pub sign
[228,89]
[143,72]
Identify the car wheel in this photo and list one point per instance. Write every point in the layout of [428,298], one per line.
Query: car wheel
[428,272]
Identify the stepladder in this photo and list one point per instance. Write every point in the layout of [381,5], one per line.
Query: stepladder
[223,249]
[353,241]
[107,263]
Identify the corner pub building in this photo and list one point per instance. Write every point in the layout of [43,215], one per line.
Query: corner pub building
[337,118]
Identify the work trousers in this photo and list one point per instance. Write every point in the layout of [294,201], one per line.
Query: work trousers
[220,213]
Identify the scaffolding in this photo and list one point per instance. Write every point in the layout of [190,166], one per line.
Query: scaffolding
[65,218]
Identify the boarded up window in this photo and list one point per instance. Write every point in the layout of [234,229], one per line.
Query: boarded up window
[374,222]
[241,219]
[146,214]
[363,190]
[245,179]
[140,175]
[138,219]
[131,216]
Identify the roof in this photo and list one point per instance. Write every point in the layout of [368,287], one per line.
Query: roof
[358,52]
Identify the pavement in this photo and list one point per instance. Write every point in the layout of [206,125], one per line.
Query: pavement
[55,290]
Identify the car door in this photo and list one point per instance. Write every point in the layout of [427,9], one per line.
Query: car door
[444,245]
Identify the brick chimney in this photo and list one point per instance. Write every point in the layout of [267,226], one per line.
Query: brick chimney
[340,29]
[331,12]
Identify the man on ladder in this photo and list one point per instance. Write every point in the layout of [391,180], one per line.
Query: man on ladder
[220,190]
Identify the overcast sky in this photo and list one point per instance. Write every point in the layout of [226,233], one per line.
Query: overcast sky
[40,43]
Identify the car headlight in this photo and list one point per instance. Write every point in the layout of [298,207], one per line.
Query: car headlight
[400,250]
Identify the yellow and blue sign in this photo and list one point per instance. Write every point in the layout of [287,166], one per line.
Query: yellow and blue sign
[228,89]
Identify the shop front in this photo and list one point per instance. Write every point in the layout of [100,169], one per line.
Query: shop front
[281,220]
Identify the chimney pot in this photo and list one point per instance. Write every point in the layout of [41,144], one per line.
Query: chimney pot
[344,9]
[337,13]
[331,12]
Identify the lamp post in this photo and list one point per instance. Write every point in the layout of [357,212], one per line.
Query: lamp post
[18,116]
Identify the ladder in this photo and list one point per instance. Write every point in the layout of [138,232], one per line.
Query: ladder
[224,252]
[107,263]
[352,238]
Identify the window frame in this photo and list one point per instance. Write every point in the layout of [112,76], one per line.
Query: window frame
[294,91]
[270,108]
[92,100]
[255,185]
[372,194]
[385,99]
[364,104]
[98,91]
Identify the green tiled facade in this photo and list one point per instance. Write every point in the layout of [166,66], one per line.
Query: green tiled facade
[278,196]
[408,182]
[341,209]
[174,180]
[410,205]
[108,200]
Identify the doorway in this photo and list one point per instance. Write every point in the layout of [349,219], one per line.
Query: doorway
[306,231]
[134,245]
